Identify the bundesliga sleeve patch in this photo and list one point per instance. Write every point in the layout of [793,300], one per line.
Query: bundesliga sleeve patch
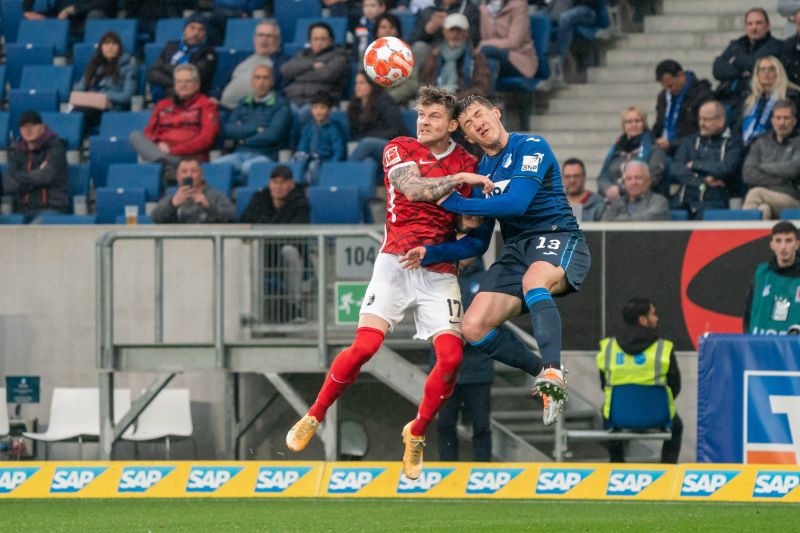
[391,157]
[530,163]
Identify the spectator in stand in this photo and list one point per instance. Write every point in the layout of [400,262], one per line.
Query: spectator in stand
[789,9]
[193,49]
[430,25]
[506,37]
[375,119]
[677,104]
[364,29]
[194,202]
[455,65]
[388,25]
[567,15]
[227,9]
[586,205]
[37,177]
[640,202]
[110,72]
[635,143]
[769,85]
[148,12]
[706,165]
[342,8]
[735,66]
[259,125]
[184,125]
[790,53]
[321,139]
[772,166]
[320,67]
[267,46]
[77,11]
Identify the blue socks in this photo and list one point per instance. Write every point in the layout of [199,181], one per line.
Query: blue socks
[502,345]
[546,324]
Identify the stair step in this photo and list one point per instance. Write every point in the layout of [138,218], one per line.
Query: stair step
[713,40]
[687,57]
[637,73]
[643,89]
[580,137]
[601,105]
[502,416]
[674,7]
[680,23]
[594,121]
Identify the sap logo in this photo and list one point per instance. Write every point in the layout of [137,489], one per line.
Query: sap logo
[775,484]
[278,479]
[490,480]
[429,478]
[74,479]
[530,163]
[699,483]
[351,480]
[631,482]
[11,478]
[499,188]
[560,480]
[140,479]
[209,479]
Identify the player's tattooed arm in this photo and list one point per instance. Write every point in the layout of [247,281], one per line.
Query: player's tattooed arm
[408,181]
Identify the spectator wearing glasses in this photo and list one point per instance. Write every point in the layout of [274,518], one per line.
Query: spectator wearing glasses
[768,86]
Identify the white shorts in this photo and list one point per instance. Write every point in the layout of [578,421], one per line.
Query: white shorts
[434,297]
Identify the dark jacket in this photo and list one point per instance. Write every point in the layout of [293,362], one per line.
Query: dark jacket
[473,72]
[301,81]
[790,57]
[258,127]
[325,142]
[774,165]
[204,58]
[593,205]
[295,210]
[386,121]
[792,271]
[465,6]
[739,58]
[38,178]
[220,209]
[119,91]
[625,149]
[698,93]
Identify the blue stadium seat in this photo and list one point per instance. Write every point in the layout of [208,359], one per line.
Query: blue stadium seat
[243,197]
[11,11]
[54,32]
[21,55]
[168,30]
[639,407]
[152,51]
[239,33]
[68,126]
[338,24]
[786,214]
[732,214]
[286,13]
[4,131]
[127,29]
[540,31]
[110,203]
[219,176]
[260,172]
[21,100]
[2,83]
[359,174]
[122,123]
[602,21]
[82,54]
[52,77]
[341,118]
[410,118]
[12,219]
[103,151]
[79,179]
[227,59]
[146,176]
[678,214]
[334,205]
[65,220]
[408,21]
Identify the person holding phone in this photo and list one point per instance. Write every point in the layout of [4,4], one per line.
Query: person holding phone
[193,202]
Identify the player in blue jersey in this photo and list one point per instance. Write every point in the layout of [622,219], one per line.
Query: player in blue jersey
[545,253]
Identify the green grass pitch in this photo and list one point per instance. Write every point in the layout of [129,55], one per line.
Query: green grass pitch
[311,515]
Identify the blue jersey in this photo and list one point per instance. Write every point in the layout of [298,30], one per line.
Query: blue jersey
[528,197]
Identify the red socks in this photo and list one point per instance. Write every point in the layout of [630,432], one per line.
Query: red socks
[345,368]
[441,381]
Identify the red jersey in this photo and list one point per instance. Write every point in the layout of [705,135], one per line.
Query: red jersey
[410,224]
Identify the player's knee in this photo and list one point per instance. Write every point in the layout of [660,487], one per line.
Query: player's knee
[474,328]
[449,352]
[366,344]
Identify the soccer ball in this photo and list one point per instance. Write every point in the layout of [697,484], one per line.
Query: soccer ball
[388,61]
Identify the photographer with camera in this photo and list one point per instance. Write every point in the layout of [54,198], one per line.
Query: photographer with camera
[194,202]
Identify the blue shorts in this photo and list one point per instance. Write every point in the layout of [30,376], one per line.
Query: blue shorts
[567,250]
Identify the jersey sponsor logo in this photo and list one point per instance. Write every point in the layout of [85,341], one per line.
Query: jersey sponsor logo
[507,160]
[11,478]
[352,480]
[560,480]
[279,478]
[74,479]
[210,478]
[429,478]
[499,188]
[141,479]
[530,163]
[771,416]
[703,484]
[490,480]
[391,157]
[631,482]
[775,484]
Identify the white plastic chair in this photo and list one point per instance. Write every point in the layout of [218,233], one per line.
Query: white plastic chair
[4,427]
[75,415]
[168,417]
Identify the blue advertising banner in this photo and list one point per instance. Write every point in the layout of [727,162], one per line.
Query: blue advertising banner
[748,399]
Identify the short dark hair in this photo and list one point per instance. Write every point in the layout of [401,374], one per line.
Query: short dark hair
[668,66]
[786,104]
[324,25]
[281,171]
[429,95]
[757,10]
[635,308]
[574,161]
[467,101]
[322,97]
[188,159]
[393,19]
[784,226]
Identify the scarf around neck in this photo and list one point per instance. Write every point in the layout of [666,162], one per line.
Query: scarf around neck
[448,73]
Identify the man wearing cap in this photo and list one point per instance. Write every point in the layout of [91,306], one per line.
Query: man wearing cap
[192,48]
[37,169]
[454,64]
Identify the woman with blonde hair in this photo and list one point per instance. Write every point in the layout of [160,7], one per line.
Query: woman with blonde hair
[768,85]
[636,142]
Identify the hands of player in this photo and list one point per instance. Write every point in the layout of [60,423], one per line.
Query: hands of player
[469,222]
[476,180]
[413,258]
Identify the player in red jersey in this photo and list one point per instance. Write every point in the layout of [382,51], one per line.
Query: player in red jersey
[412,219]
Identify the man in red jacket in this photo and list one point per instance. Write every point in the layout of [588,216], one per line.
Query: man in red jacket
[184,125]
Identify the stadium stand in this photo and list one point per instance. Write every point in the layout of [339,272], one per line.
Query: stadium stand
[127,29]
[66,220]
[145,176]
[219,176]
[103,151]
[732,214]
[110,203]
[53,32]
[335,205]
[286,13]
[25,54]
[243,197]
[168,30]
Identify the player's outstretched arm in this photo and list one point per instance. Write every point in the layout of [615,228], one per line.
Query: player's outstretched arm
[473,244]
[408,180]
[513,203]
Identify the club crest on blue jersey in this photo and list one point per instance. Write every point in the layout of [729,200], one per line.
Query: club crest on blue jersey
[507,160]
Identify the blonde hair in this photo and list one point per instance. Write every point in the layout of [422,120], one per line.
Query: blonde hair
[782,83]
[633,109]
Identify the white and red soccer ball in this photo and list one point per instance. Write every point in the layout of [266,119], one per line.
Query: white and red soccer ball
[388,61]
